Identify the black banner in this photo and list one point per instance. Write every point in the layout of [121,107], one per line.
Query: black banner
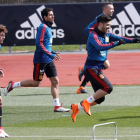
[70,22]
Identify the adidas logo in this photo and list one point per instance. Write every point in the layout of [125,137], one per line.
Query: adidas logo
[33,23]
[127,22]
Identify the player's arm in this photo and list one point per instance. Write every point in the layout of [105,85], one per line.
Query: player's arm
[114,37]
[93,38]
[1,73]
[57,57]
[91,27]
[53,52]
[41,32]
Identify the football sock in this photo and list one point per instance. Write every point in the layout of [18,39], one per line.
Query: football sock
[56,102]
[16,84]
[90,99]
[85,81]
[79,106]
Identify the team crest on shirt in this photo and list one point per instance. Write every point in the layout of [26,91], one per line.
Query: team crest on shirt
[40,77]
[101,76]
[107,39]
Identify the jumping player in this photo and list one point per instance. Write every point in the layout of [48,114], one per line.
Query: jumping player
[98,43]
[44,58]
[108,9]
[3,31]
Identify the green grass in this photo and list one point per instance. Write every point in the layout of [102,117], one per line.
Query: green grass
[66,48]
[28,114]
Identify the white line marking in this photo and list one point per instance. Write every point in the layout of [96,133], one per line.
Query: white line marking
[53,136]
[66,115]
[73,136]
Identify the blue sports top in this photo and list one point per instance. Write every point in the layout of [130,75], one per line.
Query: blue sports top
[43,52]
[92,25]
[98,45]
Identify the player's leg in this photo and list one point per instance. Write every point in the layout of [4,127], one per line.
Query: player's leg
[80,73]
[76,107]
[100,100]
[37,77]
[95,77]
[54,87]
[95,87]
[81,88]
[51,73]
[3,134]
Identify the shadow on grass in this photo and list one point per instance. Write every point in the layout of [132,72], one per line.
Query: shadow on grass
[124,117]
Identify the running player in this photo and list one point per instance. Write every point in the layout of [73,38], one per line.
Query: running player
[98,43]
[44,58]
[108,9]
[3,31]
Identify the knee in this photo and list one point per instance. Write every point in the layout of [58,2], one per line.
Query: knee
[55,81]
[36,83]
[110,89]
[0,100]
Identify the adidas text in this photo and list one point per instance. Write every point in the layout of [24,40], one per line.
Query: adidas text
[132,30]
[31,33]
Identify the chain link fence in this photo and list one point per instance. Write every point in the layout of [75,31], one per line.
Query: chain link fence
[54,1]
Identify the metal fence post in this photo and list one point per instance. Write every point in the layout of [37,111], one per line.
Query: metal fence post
[80,47]
[10,49]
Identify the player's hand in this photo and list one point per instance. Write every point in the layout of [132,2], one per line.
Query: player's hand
[57,57]
[57,53]
[136,40]
[121,41]
[1,73]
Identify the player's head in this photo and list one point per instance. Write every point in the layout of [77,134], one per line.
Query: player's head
[103,23]
[47,15]
[3,31]
[108,9]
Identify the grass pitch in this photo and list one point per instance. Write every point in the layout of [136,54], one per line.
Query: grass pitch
[28,114]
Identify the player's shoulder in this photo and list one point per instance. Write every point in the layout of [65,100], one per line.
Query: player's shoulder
[100,15]
[43,25]
[93,34]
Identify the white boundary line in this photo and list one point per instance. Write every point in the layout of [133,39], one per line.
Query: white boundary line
[52,136]
[58,136]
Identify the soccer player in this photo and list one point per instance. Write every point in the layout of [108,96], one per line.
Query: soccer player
[44,58]
[98,43]
[3,31]
[108,9]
